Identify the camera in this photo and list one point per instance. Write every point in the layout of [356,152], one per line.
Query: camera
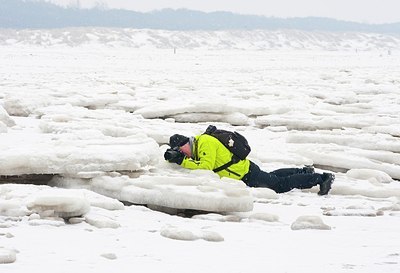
[172,153]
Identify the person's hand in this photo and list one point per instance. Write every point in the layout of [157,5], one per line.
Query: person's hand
[174,156]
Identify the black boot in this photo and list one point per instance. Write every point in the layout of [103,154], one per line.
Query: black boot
[326,184]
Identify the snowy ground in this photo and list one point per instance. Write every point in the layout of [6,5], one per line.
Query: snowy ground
[89,123]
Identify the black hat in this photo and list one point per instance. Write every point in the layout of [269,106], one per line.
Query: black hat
[178,140]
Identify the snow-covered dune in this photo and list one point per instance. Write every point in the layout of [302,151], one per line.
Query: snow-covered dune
[232,39]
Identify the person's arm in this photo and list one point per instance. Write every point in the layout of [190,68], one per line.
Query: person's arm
[207,153]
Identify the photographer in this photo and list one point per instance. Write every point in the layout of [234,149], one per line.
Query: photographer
[207,152]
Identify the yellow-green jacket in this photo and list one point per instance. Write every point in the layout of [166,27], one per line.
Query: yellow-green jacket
[209,153]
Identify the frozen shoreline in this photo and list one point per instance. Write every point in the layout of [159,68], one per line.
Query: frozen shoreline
[98,120]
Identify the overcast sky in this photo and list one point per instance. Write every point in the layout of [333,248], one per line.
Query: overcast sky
[365,11]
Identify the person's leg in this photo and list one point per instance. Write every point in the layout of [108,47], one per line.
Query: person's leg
[291,171]
[258,178]
[286,171]
[299,181]
[284,184]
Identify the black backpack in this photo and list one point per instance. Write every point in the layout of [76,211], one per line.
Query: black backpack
[233,141]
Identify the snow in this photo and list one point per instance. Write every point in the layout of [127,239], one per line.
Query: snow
[84,120]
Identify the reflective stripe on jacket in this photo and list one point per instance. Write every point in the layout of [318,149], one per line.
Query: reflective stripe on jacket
[209,153]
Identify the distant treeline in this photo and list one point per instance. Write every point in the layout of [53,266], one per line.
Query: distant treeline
[28,14]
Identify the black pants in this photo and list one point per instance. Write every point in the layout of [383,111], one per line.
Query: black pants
[281,180]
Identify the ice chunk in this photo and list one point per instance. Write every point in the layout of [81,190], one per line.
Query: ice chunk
[5,118]
[190,234]
[354,212]
[63,203]
[3,127]
[180,192]
[231,118]
[12,208]
[374,176]
[264,193]
[110,256]
[309,222]
[7,256]
[101,221]
[176,233]
[264,217]
[76,220]
[7,235]
[70,154]
[47,222]
[101,201]
[211,236]
[218,217]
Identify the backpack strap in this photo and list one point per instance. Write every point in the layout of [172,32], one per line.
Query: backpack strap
[234,160]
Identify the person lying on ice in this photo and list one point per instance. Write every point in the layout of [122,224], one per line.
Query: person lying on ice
[207,152]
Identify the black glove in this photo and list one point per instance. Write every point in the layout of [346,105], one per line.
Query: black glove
[174,156]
